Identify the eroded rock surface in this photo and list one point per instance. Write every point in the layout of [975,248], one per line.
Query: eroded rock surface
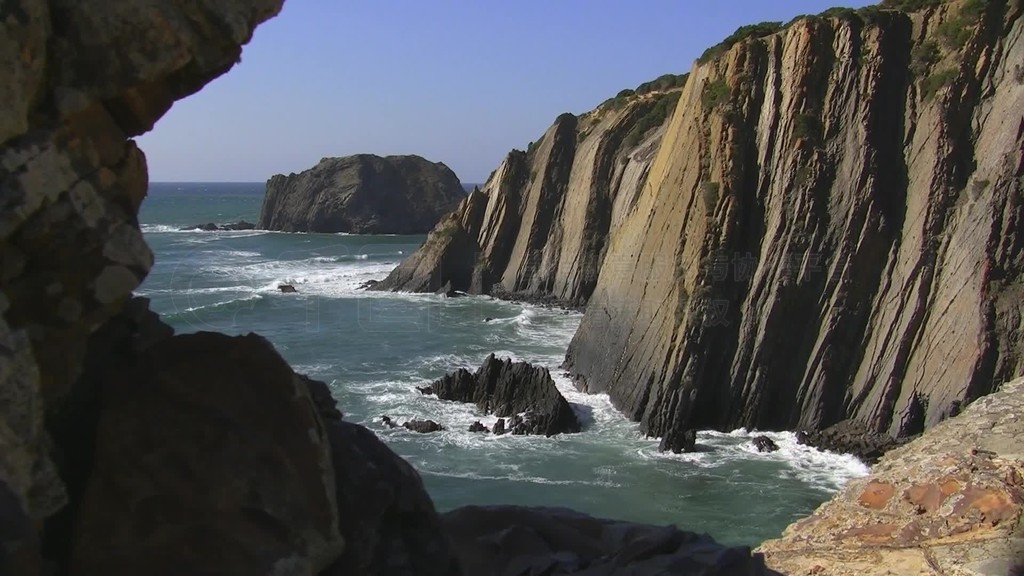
[506,388]
[950,502]
[362,194]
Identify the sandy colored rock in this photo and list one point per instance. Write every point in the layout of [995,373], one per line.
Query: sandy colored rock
[949,503]
[825,234]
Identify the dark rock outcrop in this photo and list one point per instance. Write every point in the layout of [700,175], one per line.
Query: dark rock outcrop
[831,231]
[362,194]
[765,444]
[504,388]
[211,457]
[287,288]
[501,540]
[386,518]
[422,426]
[851,437]
[478,427]
[78,81]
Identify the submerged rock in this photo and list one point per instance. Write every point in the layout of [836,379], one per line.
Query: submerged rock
[508,389]
[423,426]
[212,227]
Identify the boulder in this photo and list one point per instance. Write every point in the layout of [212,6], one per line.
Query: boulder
[507,389]
[499,427]
[478,427]
[211,458]
[423,426]
[765,444]
[506,540]
[362,194]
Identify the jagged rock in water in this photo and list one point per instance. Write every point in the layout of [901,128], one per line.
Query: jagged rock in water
[499,427]
[362,194]
[850,437]
[499,540]
[949,502]
[387,421]
[538,229]
[504,388]
[764,444]
[478,427]
[203,442]
[423,426]
[682,441]
[830,231]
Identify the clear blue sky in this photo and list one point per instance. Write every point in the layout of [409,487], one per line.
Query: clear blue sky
[454,81]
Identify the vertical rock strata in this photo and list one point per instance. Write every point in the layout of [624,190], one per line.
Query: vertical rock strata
[831,230]
[539,227]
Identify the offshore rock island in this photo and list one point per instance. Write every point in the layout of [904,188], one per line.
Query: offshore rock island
[362,194]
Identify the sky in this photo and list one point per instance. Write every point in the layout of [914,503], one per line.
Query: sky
[454,81]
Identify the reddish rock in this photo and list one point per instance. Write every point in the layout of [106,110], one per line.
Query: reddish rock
[876,495]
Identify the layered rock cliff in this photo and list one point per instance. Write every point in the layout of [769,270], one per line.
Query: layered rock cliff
[539,226]
[362,194]
[831,230]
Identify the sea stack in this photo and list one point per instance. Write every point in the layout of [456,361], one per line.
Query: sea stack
[362,194]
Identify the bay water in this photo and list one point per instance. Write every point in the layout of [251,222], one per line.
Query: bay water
[374,349]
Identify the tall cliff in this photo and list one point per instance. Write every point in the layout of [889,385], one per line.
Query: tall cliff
[538,228]
[362,194]
[830,230]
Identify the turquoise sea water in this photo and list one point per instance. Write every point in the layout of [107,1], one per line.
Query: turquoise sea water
[375,348]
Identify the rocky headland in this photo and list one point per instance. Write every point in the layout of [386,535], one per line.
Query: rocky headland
[362,194]
[125,449]
[824,230]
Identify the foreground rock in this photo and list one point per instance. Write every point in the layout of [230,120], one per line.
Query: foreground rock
[387,519]
[362,194]
[507,540]
[211,457]
[504,388]
[950,502]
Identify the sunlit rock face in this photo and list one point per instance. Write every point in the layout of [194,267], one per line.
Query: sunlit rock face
[831,230]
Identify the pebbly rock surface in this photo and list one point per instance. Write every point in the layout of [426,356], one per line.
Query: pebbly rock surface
[949,502]
[504,540]
[508,389]
[210,458]
[362,194]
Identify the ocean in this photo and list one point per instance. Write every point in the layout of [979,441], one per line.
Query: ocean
[374,348]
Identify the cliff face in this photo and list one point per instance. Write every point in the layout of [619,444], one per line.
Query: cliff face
[538,228]
[362,194]
[831,230]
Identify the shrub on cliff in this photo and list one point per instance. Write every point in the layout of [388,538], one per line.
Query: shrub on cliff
[742,33]
[655,117]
